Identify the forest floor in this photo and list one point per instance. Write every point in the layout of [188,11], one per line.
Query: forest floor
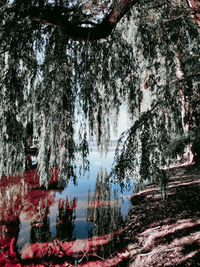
[167,233]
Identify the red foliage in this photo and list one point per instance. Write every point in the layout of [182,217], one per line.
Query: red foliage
[18,195]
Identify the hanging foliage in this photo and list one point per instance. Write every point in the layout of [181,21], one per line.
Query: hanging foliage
[148,56]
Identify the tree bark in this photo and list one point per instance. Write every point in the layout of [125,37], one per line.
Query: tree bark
[195,6]
[76,32]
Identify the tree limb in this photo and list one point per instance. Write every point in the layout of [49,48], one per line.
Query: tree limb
[80,33]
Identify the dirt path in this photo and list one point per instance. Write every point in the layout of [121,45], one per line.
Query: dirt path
[167,233]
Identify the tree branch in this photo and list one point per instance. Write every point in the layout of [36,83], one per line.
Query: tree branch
[102,30]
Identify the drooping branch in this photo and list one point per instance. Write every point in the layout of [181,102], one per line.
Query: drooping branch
[77,32]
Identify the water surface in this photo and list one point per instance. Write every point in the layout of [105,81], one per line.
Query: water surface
[80,223]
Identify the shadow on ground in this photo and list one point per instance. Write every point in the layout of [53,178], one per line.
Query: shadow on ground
[167,233]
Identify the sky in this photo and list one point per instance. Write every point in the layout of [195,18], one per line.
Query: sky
[123,124]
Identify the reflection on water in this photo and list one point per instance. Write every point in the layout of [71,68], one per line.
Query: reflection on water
[83,222]
[102,211]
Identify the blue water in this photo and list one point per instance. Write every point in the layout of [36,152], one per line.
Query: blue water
[88,220]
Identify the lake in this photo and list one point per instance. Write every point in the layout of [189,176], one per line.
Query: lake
[80,223]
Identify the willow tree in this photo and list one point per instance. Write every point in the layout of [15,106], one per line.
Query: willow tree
[165,40]
[61,58]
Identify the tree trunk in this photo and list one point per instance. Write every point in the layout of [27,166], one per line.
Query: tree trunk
[196,150]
